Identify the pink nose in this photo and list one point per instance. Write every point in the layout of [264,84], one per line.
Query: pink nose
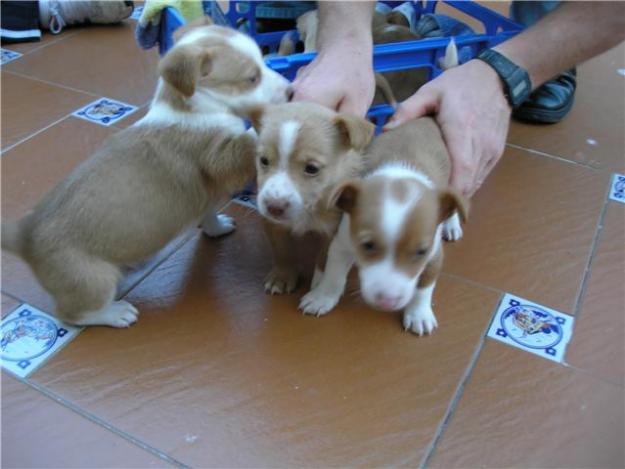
[277,208]
[387,303]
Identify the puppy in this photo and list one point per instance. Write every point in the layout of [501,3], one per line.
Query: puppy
[304,151]
[392,226]
[152,180]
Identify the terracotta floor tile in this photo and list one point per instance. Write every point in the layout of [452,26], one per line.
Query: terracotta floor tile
[598,114]
[102,60]
[8,304]
[30,105]
[531,229]
[518,410]
[39,432]
[216,373]
[31,169]
[598,344]
[46,40]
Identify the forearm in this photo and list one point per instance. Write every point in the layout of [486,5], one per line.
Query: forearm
[573,33]
[346,24]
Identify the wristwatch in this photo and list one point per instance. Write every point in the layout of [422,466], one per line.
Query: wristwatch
[516,80]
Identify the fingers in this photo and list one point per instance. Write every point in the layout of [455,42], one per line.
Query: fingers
[423,102]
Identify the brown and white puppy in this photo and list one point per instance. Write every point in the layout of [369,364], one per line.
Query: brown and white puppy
[393,222]
[305,150]
[152,180]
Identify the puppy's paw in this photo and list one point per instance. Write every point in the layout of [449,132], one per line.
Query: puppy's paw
[218,225]
[420,321]
[280,281]
[118,314]
[452,230]
[318,302]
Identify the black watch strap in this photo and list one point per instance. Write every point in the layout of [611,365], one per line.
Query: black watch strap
[516,80]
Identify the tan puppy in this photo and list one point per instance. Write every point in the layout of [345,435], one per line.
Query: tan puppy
[152,180]
[305,150]
[392,228]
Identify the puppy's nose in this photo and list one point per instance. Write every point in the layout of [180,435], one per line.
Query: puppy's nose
[276,208]
[289,92]
[385,302]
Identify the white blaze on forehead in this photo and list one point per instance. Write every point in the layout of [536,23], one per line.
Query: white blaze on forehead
[394,212]
[246,45]
[193,36]
[287,137]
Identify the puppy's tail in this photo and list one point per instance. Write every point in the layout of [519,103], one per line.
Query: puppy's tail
[12,237]
[287,45]
[385,88]
[451,56]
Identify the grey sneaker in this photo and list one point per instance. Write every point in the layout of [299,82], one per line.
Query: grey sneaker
[56,14]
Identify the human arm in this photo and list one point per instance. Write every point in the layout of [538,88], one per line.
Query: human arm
[469,101]
[341,76]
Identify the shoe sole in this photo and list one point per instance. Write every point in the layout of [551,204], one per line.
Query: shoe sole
[543,116]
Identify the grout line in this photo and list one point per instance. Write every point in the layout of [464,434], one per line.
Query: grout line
[591,257]
[473,282]
[42,46]
[10,147]
[593,375]
[455,400]
[52,83]
[556,157]
[102,423]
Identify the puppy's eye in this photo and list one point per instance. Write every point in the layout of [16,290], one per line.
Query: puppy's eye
[254,79]
[369,246]
[418,254]
[264,161]
[311,169]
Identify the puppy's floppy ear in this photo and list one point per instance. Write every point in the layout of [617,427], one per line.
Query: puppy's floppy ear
[345,196]
[255,116]
[449,202]
[196,23]
[183,66]
[354,132]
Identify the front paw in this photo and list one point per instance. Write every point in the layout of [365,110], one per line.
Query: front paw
[420,321]
[452,229]
[280,281]
[318,302]
[218,226]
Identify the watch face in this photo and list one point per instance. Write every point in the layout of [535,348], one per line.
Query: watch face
[515,79]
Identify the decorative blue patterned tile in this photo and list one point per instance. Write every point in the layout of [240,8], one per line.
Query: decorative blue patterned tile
[531,327]
[617,191]
[105,111]
[9,55]
[136,13]
[30,337]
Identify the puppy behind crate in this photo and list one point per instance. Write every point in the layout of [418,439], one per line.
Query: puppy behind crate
[304,151]
[153,179]
[393,222]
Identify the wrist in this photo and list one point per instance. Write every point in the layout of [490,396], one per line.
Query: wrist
[514,78]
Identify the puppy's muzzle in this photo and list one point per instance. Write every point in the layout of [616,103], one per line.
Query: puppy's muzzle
[277,208]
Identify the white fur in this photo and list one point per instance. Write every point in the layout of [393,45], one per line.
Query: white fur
[418,315]
[280,189]
[394,215]
[246,45]
[399,170]
[193,36]
[452,229]
[286,141]
[116,314]
[217,224]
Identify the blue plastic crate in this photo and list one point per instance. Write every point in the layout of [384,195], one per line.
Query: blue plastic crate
[423,53]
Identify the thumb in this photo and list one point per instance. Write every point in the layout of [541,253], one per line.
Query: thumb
[423,102]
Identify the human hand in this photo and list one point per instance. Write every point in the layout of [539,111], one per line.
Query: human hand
[340,78]
[469,105]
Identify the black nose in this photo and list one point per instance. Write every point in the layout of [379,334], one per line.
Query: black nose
[289,93]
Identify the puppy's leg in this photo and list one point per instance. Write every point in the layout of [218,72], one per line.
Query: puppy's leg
[418,315]
[326,294]
[452,230]
[322,257]
[283,276]
[217,224]
[84,290]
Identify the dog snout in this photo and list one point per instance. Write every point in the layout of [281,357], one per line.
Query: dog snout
[277,208]
[386,302]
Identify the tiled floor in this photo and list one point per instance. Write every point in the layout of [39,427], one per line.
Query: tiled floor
[216,373]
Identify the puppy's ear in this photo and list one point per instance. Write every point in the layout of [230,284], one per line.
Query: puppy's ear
[197,23]
[449,202]
[345,196]
[255,116]
[183,66]
[353,131]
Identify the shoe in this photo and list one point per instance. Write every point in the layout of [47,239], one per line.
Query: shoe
[56,14]
[551,102]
